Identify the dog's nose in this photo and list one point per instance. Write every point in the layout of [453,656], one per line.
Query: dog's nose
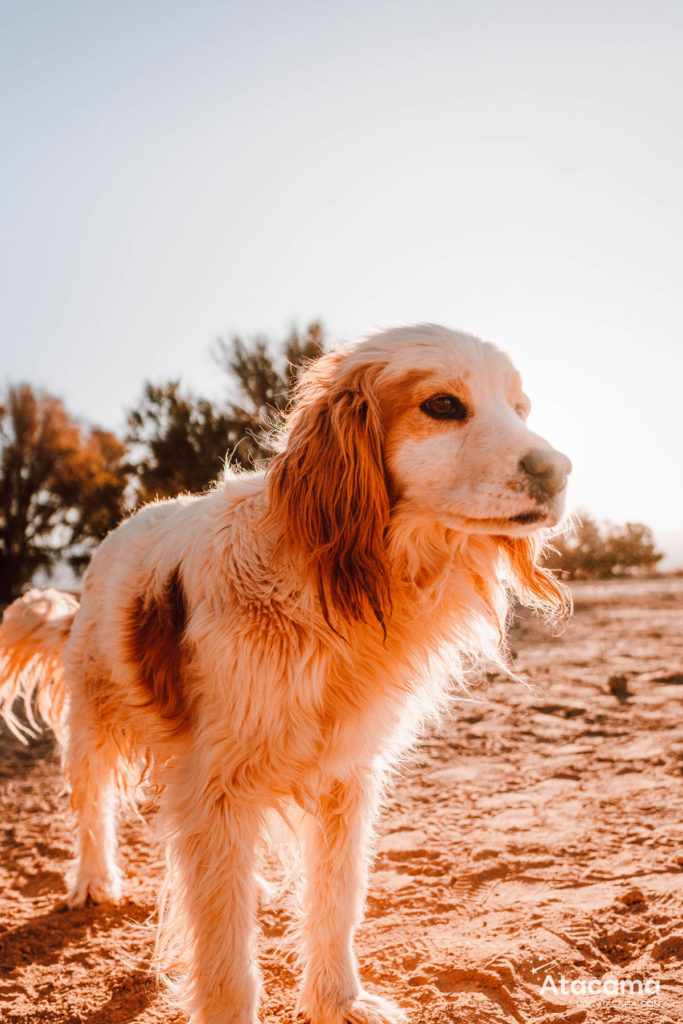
[547,469]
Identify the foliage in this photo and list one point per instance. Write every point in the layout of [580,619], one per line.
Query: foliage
[61,487]
[265,385]
[602,550]
[182,441]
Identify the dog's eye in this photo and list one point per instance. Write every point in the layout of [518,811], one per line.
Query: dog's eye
[445,407]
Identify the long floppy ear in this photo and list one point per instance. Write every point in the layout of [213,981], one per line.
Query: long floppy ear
[533,584]
[328,492]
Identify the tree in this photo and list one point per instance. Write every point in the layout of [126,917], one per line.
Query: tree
[603,549]
[632,546]
[265,385]
[181,441]
[62,487]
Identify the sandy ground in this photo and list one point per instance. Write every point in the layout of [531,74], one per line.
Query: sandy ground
[537,836]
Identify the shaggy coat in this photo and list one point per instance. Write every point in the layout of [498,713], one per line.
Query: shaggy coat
[277,642]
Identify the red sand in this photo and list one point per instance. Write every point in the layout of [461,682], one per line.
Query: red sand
[538,828]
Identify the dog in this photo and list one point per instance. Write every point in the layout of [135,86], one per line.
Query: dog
[278,640]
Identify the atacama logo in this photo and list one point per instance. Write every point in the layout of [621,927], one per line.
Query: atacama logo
[608,986]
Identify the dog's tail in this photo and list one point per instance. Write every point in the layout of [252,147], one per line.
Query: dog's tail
[33,634]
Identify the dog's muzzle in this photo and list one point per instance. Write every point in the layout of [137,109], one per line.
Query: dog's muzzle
[546,471]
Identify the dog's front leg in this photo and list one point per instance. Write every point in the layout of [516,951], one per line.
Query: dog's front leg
[336,850]
[207,928]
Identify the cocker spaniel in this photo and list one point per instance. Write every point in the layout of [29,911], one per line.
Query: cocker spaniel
[278,640]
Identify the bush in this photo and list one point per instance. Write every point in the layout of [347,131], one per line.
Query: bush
[602,550]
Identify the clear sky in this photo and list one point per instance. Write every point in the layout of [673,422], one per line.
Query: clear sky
[175,171]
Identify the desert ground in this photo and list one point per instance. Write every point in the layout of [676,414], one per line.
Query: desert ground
[535,837]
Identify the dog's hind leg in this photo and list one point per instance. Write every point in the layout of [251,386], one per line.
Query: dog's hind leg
[90,758]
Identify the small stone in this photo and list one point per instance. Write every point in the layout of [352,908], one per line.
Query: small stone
[618,686]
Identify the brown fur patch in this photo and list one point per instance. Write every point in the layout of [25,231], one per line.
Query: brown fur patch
[398,398]
[401,410]
[403,418]
[155,646]
[327,493]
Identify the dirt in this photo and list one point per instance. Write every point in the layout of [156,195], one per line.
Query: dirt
[537,836]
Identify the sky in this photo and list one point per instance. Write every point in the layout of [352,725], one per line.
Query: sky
[173,172]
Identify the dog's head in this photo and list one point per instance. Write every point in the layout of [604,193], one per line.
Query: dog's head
[422,423]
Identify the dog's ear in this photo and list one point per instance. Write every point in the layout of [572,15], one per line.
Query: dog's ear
[532,583]
[328,492]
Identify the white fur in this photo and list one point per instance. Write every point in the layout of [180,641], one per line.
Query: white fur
[265,686]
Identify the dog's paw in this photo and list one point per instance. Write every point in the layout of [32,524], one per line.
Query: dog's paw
[364,1009]
[227,1015]
[94,889]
